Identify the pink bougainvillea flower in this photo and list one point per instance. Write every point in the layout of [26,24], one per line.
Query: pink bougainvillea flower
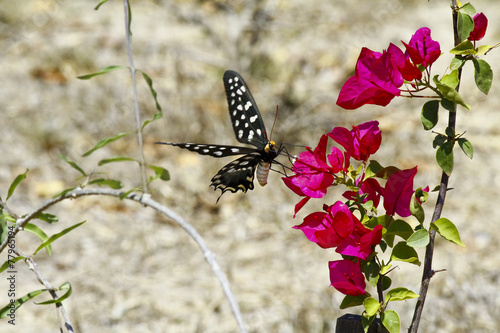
[359,143]
[312,174]
[375,81]
[480,25]
[369,186]
[422,49]
[398,191]
[408,70]
[346,277]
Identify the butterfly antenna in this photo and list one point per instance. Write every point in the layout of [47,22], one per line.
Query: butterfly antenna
[274,122]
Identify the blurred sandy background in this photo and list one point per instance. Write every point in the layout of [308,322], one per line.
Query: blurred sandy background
[131,270]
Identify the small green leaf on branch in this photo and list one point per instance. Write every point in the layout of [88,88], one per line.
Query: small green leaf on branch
[350,301]
[72,164]
[483,75]
[466,147]
[420,238]
[445,158]
[16,182]
[447,230]
[400,294]
[429,115]
[391,322]
[6,310]
[105,142]
[65,285]
[402,252]
[371,306]
[101,72]
[465,25]
[57,236]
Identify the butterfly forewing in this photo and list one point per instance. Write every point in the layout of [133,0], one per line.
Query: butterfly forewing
[245,116]
[212,150]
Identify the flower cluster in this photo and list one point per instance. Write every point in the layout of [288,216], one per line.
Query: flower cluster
[379,76]
[337,226]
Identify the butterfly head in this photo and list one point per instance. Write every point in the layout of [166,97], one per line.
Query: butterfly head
[270,146]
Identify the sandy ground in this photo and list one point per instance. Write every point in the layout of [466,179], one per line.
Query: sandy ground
[132,270]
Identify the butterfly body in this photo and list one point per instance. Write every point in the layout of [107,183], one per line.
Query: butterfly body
[249,129]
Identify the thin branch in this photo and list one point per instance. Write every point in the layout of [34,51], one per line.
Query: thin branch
[146,200]
[137,112]
[428,272]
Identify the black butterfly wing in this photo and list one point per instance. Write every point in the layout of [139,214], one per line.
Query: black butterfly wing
[247,122]
[212,150]
[237,175]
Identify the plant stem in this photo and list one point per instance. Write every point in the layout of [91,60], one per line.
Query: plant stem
[137,112]
[428,272]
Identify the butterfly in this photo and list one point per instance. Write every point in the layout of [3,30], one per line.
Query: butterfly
[249,129]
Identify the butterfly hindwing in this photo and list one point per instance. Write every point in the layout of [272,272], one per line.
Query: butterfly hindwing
[247,122]
[237,175]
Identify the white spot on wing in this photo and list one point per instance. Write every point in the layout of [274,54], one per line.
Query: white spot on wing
[240,134]
[248,105]
[234,150]
[259,132]
[217,153]
[253,118]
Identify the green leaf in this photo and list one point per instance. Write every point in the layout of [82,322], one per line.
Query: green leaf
[117,159]
[439,140]
[102,71]
[5,311]
[416,209]
[9,262]
[391,322]
[468,9]
[482,50]
[451,80]
[350,301]
[399,228]
[102,2]
[447,230]
[429,114]
[466,147]
[450,93]
[34,229]
[420,238]
[465,48]
[371,306]
[465,25]
[403,252]
[483,75]
[445,158]
[366,321]
[448,105]
[386,281]
[457,62]
[16,182]
[105,142]
[4,230]
[373,168]
[160,172]
[49,218]
[64,286]
[57,236]
[149,82]
[114,184]
[72,164]
[400,294]
[63,192]
[371,271]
